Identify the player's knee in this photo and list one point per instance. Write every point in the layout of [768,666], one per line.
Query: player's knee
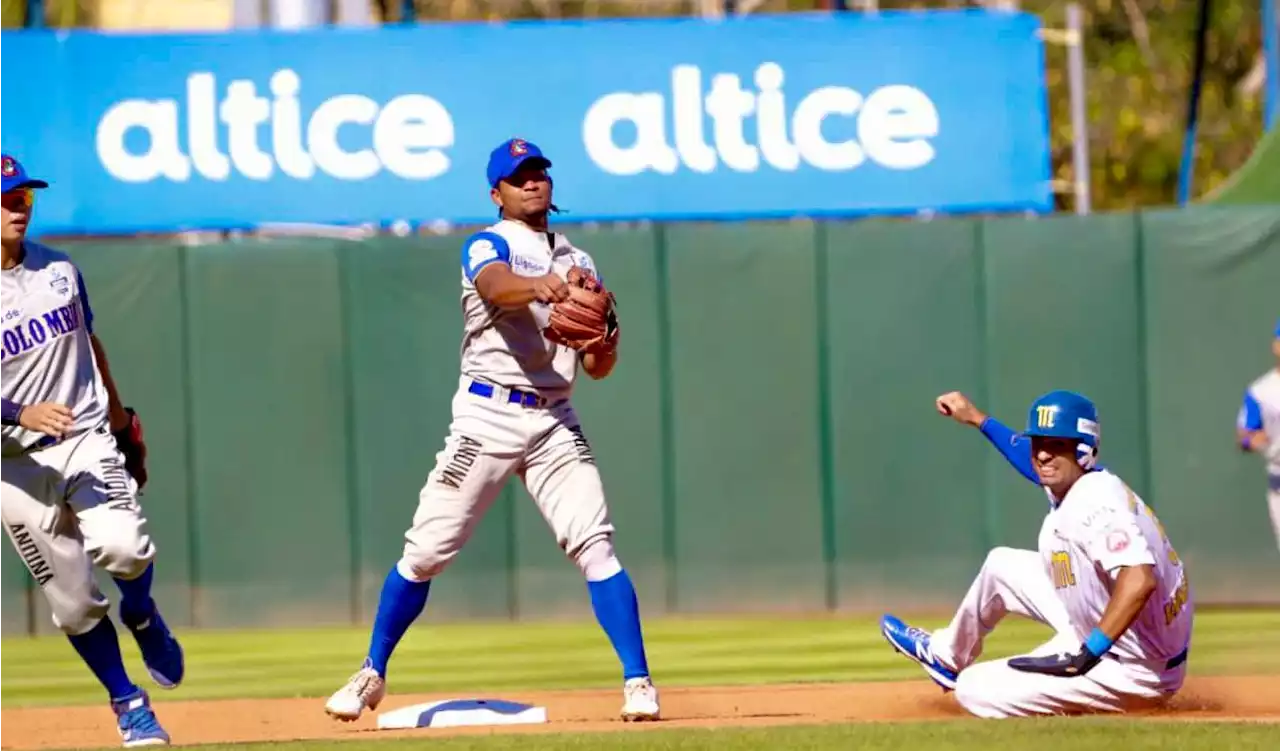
[75,618]
[420,563]
[124,555]
[597,559]
[1003,559]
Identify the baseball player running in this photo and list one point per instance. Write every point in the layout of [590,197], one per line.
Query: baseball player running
[1106,579]
[1258,427]
[74,461]
[523,286]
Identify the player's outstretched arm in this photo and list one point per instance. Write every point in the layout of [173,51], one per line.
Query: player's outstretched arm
[1015,448]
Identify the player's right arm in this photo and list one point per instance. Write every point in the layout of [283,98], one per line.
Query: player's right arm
[1249,431]
[486,260]
[1014,447]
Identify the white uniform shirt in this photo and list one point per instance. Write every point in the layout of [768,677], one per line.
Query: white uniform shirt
[47,356]
[1101,526]
[506,346]
[1261,411]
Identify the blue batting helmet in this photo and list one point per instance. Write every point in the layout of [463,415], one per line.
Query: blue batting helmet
[1066,414]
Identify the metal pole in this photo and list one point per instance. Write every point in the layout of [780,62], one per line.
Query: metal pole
[1271,58]
[35,14]
[1079,113]
[1193,107]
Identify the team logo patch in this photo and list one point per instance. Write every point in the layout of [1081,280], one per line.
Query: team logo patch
[519,147]
[7,167]
[1117,540]
[481,251]
[60,283]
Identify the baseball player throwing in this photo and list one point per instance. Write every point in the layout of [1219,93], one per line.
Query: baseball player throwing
[74,462]
[1106,579]
[1258,427]
[534,312]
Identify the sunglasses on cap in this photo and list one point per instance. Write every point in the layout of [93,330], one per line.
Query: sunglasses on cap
[19,199]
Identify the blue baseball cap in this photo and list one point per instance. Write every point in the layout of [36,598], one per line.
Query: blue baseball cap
[509,156]
[15,176]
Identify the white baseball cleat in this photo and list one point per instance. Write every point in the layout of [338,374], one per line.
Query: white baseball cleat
[364,689]
[640,701]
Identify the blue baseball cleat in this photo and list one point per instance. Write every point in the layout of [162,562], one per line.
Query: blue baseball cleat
[160,650]
[914,643]
[136,722]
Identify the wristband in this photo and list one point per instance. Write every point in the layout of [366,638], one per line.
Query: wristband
[1246,443]
[11,411]
[1097,642]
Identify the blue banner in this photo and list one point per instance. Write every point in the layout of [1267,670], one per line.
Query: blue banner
[764,116]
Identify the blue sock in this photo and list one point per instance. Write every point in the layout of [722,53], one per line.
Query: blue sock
[100,649]
[400,603]
[136,604]
[614,601]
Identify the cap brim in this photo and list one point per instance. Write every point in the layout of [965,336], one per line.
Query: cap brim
[24,184]
[540,161]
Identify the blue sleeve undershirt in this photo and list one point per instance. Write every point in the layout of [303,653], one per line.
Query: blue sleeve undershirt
[1015,448]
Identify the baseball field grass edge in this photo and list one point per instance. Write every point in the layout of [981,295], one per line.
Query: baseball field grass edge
[1044,735]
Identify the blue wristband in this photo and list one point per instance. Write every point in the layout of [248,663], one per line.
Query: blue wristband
[1097,642]
[11,411]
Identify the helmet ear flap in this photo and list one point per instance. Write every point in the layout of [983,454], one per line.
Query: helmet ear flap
[1086,455]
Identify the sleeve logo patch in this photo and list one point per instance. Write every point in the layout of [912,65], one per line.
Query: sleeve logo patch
[1117,540]
[479,252]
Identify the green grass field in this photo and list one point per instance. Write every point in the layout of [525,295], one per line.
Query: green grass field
[683,652]
[1041,735]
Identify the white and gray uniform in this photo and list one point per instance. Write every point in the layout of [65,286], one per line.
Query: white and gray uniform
[512,415]
[1100,527]
[68,503]
[1261,411]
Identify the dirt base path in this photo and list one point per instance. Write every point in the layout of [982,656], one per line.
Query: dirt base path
[230,721]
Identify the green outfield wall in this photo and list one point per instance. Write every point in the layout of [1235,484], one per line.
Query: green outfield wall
[768,440]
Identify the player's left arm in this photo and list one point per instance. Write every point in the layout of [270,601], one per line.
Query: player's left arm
[1249,430]
[1134,585]
[597,364]
[1115,543]
[116,413]
[124,422]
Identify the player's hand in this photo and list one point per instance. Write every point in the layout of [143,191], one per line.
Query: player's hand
[550,288]
[1060,665]
[46,417]
[958,407]
[1253,440]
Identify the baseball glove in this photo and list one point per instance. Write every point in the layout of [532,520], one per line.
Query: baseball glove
[129,440]
[587,321]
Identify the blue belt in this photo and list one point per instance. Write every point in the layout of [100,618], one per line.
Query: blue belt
[514,396]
